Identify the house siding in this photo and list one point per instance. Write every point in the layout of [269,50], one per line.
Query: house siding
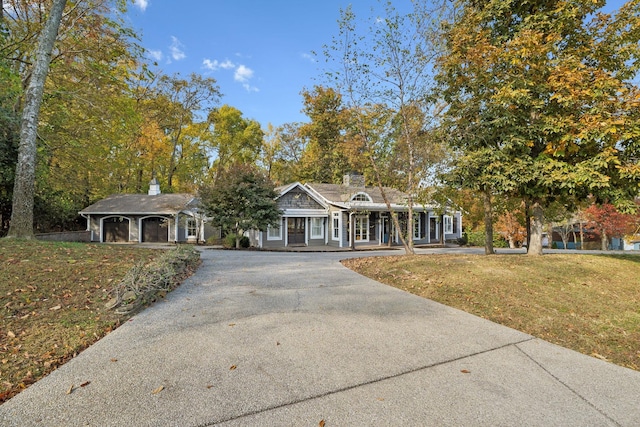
[298,199]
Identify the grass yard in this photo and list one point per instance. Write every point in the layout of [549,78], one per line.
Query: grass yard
[52,303]
[589,303]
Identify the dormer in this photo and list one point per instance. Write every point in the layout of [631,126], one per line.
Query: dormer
[361,197]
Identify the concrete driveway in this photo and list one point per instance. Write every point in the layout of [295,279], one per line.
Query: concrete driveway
[296,339]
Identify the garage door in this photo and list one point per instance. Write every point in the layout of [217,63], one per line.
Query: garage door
[115,230]
[155,229]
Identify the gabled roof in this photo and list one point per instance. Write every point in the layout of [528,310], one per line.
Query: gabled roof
[341,195]
[141,204]
[287,188]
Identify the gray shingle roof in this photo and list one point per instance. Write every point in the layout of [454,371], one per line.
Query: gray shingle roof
[168,204]
[340,194]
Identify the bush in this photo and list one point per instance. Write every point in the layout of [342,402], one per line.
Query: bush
[476,238]
[230,241]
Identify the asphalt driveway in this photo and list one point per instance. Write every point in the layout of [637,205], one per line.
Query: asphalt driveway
[270,339]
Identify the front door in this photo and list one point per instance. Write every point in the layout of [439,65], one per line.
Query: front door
[295,231]
[433,233]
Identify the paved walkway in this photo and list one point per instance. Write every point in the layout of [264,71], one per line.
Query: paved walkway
[270,339]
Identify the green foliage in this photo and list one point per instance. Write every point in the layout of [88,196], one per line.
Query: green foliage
[477,238]
[234,138]
[230,241]
[542,102]
[241,199]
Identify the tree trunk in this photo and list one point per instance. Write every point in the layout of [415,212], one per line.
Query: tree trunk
[488,222]
[604,240]
[537,219]
[581,236]
[24,186]
[527,220]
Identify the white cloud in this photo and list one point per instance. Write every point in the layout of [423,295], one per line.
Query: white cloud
[309,57]
[250,88]
[156,55]
[243,74]
[215,65]
[176,49]
[141,4]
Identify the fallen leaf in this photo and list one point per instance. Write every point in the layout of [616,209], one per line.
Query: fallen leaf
[209,386]
[232,324]
[86,383]
[70,390]
[11,334]
[158,390]
[233,367]
[464,371]
[114,360]
[321,423]
[57,307]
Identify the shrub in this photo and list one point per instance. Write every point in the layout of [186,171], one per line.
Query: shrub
[230,241]
[476,238]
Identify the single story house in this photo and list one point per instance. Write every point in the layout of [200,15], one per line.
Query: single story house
[351,214]
[152,217]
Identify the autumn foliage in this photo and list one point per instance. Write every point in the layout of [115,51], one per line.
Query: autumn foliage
[608,222]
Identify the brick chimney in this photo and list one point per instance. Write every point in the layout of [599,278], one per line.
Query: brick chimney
[353,179]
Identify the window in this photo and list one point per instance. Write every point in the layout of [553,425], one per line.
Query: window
[362,228]
[447,224]
[417,226]
[336,226]
[192,228]
[274,233]
[361,197]
[317,228]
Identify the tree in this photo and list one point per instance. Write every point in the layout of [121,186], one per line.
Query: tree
[87,113]
[9,129]
[389,67]
[24,188]
[509,225]
[609,223]
[324,159]
[235,139]
[541,102]
[177,105]
[242,199]
[283,149]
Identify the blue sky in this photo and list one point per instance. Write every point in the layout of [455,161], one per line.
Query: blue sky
[259,51]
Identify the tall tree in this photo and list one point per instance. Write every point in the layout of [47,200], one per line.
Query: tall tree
[24,188]
[541,101]
[388,66]
[234,138]
[324,159]
[180,103]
